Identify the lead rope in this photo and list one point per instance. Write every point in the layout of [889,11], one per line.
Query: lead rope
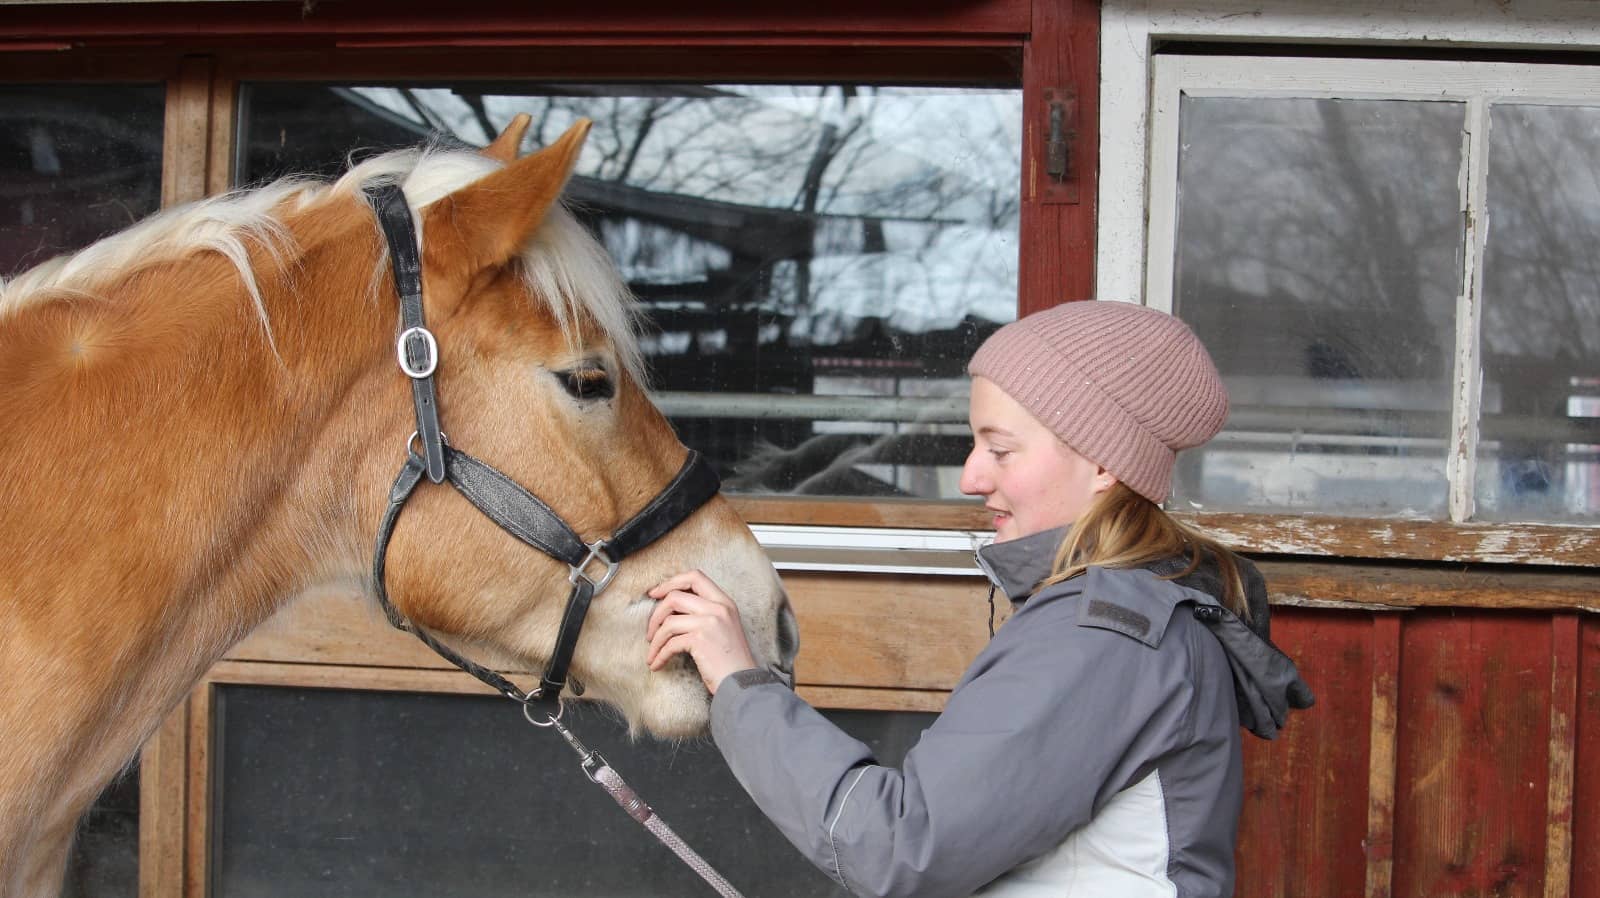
[600,773]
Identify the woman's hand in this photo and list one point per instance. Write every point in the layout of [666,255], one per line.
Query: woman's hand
[694,616]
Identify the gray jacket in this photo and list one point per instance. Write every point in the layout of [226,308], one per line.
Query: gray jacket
[1092,748]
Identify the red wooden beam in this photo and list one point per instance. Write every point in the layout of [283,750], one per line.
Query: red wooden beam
[212,23]
[1061,65]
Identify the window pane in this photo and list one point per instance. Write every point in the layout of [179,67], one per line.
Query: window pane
[335,793]
[105,852]
[1539,449]
[818,262]
[1317,257]
[77,162]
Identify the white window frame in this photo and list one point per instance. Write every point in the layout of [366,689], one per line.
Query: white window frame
[1477,86]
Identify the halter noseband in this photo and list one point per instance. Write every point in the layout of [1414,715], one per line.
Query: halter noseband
[502,499]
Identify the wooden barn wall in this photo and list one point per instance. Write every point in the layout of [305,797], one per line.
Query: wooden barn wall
[1451,751]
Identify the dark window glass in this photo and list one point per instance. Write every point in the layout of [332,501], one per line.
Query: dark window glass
[325,794]
[105,854]
[817,262]
[77,162]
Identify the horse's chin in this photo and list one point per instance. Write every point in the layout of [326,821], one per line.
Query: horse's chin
[675,705]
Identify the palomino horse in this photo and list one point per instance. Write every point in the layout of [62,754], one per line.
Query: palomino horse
[204,417]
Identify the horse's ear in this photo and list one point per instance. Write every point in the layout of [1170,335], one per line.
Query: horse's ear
[504,147]
[486,222]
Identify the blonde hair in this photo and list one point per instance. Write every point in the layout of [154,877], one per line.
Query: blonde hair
[1122,529]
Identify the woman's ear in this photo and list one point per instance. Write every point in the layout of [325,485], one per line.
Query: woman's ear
[1103,480]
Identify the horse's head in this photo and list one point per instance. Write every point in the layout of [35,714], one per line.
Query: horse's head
[539,375]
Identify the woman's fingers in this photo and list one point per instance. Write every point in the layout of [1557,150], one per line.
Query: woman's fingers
[694,616]
[694,581]
[681,602]
[690,592]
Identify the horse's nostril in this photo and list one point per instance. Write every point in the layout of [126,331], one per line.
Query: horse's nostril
[788,636]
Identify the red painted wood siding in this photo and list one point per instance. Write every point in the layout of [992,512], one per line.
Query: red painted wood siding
[1495,711]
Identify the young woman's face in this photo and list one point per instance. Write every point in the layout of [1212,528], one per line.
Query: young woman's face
[1027,477]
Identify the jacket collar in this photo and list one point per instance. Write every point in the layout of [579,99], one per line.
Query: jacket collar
[1017,566]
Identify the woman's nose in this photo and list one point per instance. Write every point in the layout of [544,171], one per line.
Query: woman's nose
[974,482]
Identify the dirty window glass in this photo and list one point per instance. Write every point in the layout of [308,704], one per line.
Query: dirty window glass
[817,261]
[77,162]
[1317,257]
[1539,445]
[345,794]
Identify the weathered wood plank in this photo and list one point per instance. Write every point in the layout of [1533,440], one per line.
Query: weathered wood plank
[1567,546]
[1303,821]
[197,830]
[163,807]
[1564,649]
[1474,723]
[1339,584]
[1586,772]
[1383,740]
[873,631]
[186,133]
[886,631]
[1265,534]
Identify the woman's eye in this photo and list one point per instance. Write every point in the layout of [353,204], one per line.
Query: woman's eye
[587,383]
[1000,454]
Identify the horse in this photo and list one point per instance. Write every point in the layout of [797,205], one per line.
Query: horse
[204,420]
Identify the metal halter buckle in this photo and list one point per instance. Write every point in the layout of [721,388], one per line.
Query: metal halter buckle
[428,342]
[597,552]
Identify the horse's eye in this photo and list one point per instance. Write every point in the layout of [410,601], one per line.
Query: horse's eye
[587,383]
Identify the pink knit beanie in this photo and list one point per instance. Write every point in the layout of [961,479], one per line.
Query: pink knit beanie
[1123,385]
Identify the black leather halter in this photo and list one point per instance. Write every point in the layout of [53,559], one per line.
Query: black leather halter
[516,510]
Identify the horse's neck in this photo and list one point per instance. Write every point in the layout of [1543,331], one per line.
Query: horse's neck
[154,506]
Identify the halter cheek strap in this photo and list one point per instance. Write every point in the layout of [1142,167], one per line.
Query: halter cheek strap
[415,347]
[501,499]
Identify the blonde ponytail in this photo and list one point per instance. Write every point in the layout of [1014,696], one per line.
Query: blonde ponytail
[1123,529]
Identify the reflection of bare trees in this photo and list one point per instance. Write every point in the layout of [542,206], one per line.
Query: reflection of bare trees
[1542,271]
[1321,248]
[1320,237]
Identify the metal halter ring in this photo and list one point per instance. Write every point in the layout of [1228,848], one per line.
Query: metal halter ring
[411,440]
[597,551]
[548,721]
[428,342]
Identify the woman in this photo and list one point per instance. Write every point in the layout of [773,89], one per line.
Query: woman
[1093,747]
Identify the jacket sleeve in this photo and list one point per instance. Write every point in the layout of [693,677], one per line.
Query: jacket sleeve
[1036,738]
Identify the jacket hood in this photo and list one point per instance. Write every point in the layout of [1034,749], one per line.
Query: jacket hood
[1266,682]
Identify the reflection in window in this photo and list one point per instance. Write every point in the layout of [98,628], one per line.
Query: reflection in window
[345,794]
[77,162]
[1317,257]
[1539,451]
[817,262]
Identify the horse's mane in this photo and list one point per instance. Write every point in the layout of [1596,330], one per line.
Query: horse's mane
[563,264]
